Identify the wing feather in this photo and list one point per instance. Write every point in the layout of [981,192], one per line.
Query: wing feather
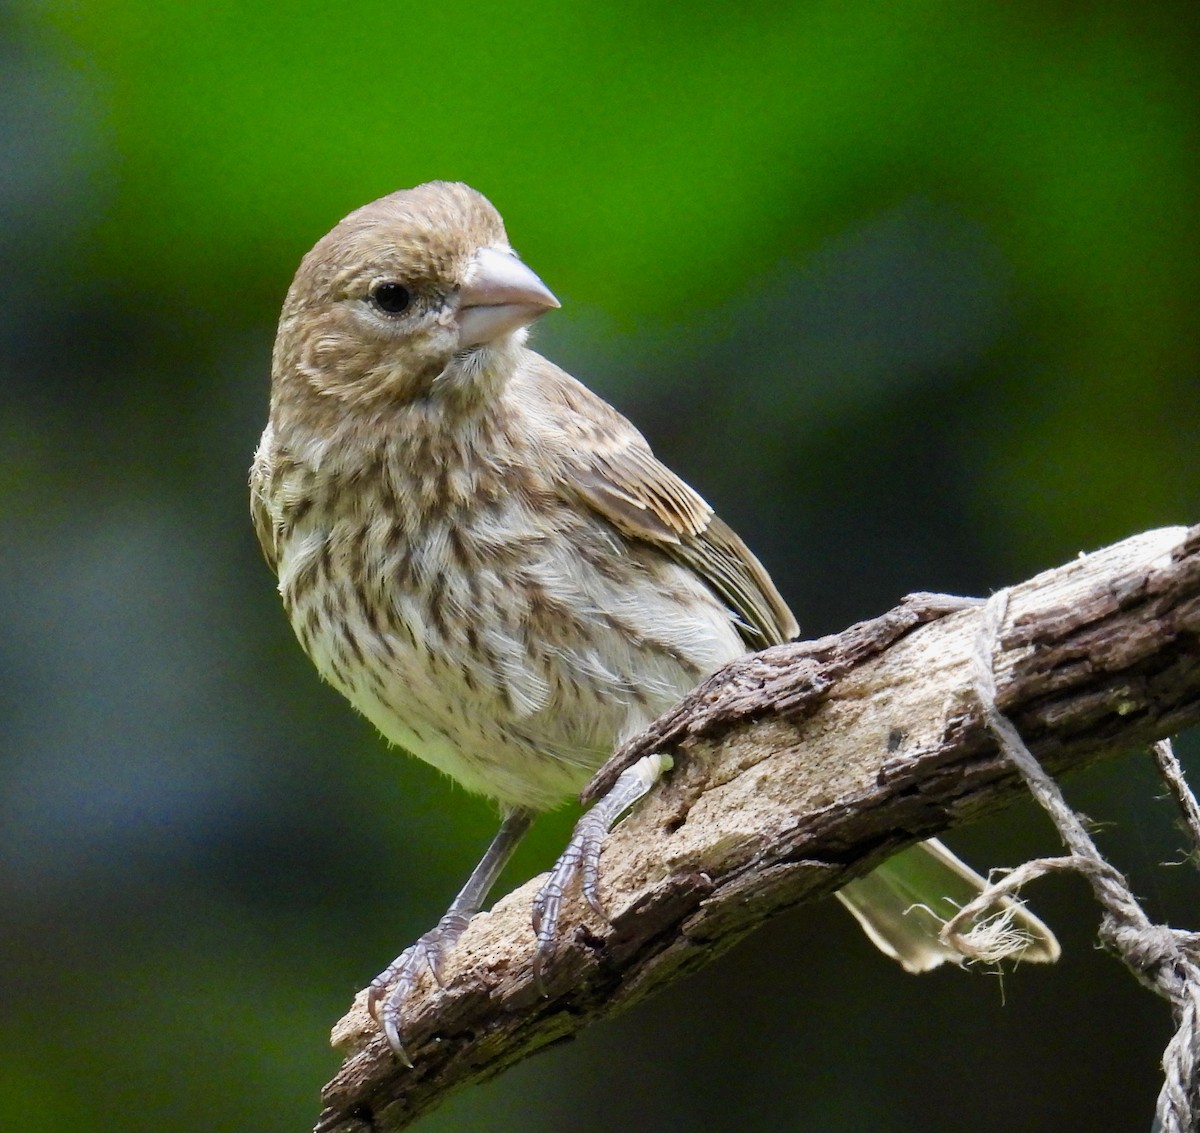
[607,463]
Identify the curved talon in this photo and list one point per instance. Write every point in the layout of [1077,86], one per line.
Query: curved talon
[383,997]
[391,988]
[540,958]
[391,1029]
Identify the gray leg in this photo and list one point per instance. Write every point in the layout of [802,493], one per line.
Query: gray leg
[392,986]
[582,855]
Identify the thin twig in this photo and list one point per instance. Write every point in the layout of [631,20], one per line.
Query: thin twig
[1162,958]
[1172,773]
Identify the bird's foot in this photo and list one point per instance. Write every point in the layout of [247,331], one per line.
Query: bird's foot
[581,858]
[390,990]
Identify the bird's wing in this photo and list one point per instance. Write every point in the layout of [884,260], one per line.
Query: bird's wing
[606,462]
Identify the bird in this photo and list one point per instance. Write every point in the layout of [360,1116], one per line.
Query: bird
[490,564]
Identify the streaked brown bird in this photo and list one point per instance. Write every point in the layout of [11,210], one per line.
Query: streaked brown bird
[488,561]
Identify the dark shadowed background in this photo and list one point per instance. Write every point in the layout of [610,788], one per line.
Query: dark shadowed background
[908,291]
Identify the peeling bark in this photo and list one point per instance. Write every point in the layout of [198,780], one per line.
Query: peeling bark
[798,769]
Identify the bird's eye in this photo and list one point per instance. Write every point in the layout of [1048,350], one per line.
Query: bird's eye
[391,298]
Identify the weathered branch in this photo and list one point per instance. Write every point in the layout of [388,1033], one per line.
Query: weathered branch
[798,769]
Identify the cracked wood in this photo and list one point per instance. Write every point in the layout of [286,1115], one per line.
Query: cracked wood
[797,769]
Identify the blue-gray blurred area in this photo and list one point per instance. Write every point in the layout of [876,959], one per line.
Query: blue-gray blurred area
[908,291]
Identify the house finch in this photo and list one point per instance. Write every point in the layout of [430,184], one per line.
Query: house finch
[488,561]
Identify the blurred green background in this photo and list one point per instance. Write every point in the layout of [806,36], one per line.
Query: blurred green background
[909,292]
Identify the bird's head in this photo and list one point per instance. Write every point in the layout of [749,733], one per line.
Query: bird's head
[416,289]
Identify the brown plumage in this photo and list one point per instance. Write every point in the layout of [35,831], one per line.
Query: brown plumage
[483,556]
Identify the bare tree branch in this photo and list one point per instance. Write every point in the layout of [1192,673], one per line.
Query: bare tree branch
[798,769]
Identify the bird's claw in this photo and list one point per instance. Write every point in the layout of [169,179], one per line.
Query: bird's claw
[581,858]
[390,990]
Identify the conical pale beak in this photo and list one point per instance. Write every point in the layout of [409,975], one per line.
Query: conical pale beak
[500,294]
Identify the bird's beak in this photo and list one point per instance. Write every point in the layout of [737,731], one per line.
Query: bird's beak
[499,295]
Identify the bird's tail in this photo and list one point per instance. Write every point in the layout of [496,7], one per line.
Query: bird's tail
[904,903]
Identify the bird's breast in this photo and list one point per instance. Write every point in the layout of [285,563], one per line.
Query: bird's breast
[492,629]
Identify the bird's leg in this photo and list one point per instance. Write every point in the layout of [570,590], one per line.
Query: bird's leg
[392,986]
[582,855]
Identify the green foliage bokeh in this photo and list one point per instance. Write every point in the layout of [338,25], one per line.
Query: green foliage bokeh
[909,291]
